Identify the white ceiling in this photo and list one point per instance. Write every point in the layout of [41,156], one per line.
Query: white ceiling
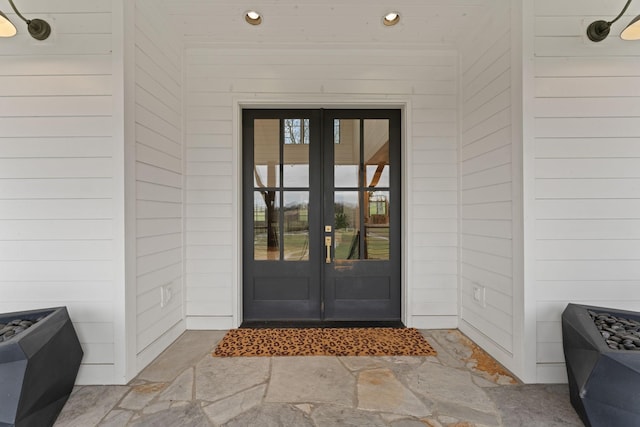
[424,23]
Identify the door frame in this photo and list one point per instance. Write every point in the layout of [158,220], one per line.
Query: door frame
[401,103]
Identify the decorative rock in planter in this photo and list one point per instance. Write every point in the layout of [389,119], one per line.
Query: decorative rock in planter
[39,362]
[604,383]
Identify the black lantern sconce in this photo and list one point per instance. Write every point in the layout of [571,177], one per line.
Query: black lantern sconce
[38,28]
[599,30]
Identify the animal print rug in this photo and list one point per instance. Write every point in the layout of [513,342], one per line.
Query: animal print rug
[324,342]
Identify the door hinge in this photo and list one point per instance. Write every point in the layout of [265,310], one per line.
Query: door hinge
[322,307]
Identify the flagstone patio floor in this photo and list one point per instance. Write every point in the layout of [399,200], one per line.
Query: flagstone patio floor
[186,386]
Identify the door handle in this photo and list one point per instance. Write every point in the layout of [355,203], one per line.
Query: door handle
[327,244]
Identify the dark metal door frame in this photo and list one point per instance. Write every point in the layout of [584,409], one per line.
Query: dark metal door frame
[319,303]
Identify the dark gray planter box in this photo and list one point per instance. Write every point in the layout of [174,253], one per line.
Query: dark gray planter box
[38,368]
[604,384]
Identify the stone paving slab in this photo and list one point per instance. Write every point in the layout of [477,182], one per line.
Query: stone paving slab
[272,415]
[316,379]
[117,418]
[336,416]
[535,406]
[469,415]
[181,388]
[156,407]
[359,363]
[198,390]
[447,355]
[141,395]
[226,409]
[410,423]
[379,390]
[88,405]
[442,383]
[185,352]
[217,378]
[185,414]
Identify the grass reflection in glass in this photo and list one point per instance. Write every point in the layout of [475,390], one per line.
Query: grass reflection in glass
[377,243]
[345,240]
[296,247]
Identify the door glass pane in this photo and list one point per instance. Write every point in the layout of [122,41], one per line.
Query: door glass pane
[377,225]
[347,153]
[266,211]
[336,131]
[266,153]
[347,225]
[296,160]
[296,131]
[296,225]
[376,153]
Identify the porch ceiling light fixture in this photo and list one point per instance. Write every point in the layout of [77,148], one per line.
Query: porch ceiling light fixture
[7,29]
[38,28]
[391,19]
[599,30]
[253,17]
[632,32]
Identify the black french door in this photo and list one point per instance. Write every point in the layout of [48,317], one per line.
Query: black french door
[321,215]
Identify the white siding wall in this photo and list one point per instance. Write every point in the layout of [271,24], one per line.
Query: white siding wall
[217,76]
[486,226]
[158,173]
[587,169]
[58,222]
[61,172]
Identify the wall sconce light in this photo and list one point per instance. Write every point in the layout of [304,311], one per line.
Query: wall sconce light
[632,32]
[38,28]
[7,29]
[599,30]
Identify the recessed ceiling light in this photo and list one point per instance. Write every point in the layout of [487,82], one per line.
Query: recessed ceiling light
[391,18]
[253,17]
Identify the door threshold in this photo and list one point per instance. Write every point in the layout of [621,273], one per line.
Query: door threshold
[261,324]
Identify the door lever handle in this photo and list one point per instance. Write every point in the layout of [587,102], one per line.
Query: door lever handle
[327,244]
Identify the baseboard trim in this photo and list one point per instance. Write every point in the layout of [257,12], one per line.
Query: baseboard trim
[434,322]
[209,323]
[260,324]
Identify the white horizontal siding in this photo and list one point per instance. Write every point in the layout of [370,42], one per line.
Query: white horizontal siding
[486,188]
[587,192]
[159,189]
[215,76]
[56,174]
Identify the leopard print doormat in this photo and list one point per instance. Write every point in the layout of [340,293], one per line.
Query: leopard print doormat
[324,342]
